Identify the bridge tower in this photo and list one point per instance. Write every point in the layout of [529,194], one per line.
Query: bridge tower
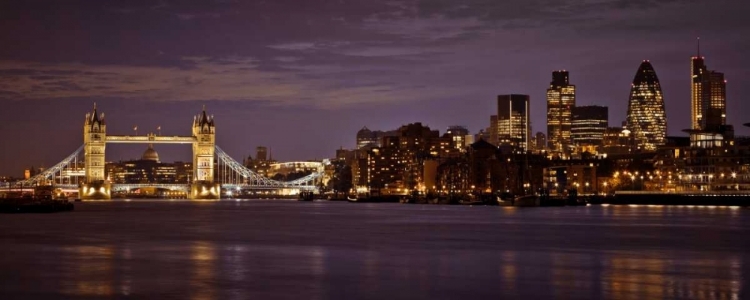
[204,145]
[94,143]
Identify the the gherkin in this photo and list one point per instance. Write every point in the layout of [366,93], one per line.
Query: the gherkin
[647,118]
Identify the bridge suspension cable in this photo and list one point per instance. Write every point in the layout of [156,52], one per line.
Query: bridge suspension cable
[56,172]
[231,173]
[245,177]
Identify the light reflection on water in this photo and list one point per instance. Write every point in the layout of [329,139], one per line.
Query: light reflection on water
[89,271]
[509,271]
[203,276]
[265,249]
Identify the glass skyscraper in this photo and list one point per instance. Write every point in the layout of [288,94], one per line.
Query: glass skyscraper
[561,98]
[589,125]
[513,120]
[647,118]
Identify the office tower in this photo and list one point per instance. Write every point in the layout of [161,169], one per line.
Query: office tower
[589,125]
[709,96]
[397,165]
[458,136]
[513,120]
[540,141]
[647,119]
[616,140]
[261,153]
[561,98]
[367,138]
[493,130]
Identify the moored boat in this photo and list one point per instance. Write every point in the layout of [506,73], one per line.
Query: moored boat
[505,199]
[306,196]
[30,205]
[526,201]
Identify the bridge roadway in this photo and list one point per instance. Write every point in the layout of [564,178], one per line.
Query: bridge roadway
[68,188]
[186,188]
[151,138]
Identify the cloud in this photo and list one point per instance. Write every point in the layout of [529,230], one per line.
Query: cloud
[227,78]
[287,59]
[430,29]
[307,46]
[191,16]
[294,46]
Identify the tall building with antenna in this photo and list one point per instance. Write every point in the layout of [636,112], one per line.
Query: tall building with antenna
[709,95]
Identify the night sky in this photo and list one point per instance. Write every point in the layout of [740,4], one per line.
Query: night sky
[302,76]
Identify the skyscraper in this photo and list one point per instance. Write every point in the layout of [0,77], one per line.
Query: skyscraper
[458,136]
[513,120]
[589,125]
[261,153]
[561,98]
[709,96]
[647,119]
[493,131]
[540,141]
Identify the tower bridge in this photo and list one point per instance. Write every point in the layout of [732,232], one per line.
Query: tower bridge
[208,161]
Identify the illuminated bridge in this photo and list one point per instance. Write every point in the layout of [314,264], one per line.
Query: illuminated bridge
[214,170]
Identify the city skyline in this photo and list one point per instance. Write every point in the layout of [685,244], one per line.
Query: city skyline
[339,79]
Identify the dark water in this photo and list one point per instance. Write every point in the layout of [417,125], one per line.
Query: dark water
[337,250]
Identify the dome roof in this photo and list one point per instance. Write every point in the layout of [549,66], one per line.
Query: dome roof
[150,154]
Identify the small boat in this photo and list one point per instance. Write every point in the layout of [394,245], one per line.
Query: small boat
[505,199]
[31,205]
[470,200]
[526,201]
[306,196]
[504,202]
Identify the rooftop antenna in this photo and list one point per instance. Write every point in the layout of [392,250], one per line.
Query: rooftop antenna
[699,47]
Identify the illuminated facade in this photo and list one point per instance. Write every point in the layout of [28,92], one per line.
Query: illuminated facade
[513,121]
[458,135]
[616,140]
[94,145]
[709,96]
[149,169]
[397,166]
[647,119]
[561,98]
[367,138]
[540,142]
[204,132]
[589,125]
[95,141]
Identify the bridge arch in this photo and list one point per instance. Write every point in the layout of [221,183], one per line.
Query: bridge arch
[95,140]
[208,159]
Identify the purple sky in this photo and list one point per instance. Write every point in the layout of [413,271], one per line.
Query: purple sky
[303,76]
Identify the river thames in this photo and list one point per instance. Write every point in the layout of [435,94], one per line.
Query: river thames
[282,249]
